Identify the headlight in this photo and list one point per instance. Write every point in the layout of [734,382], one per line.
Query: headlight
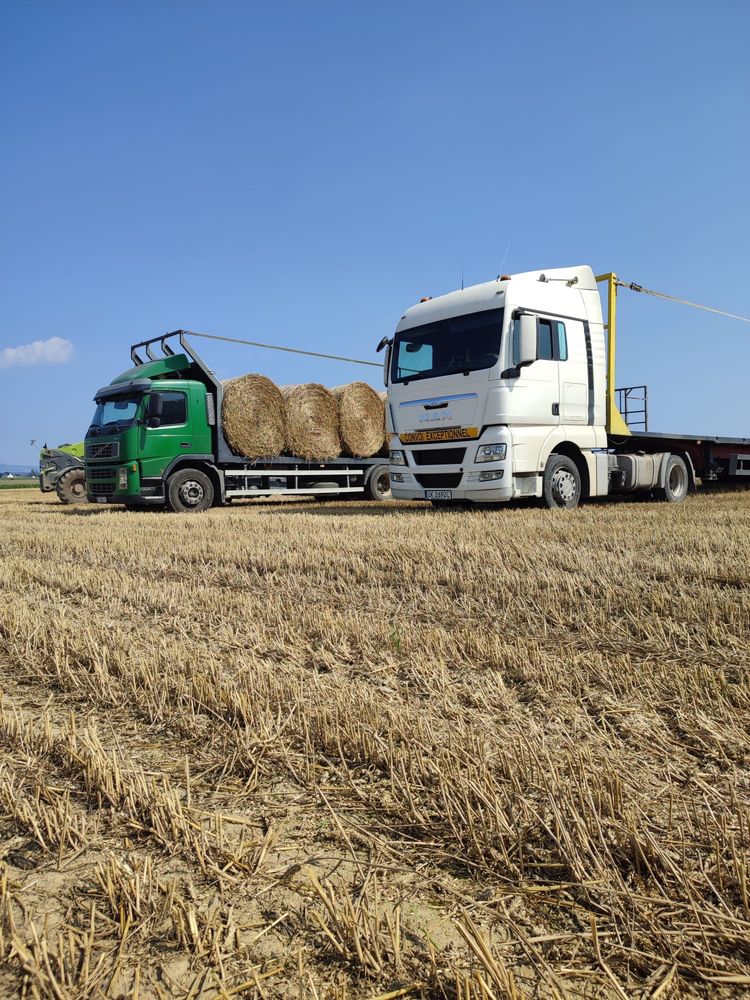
[397,458]
[491,453]
[122,479]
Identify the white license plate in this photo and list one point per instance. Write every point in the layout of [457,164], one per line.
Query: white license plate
[101,499]
[438,494]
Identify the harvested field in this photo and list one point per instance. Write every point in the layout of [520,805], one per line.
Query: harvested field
[288,750]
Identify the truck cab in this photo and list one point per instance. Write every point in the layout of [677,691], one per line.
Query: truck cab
[148,421]
[486,384]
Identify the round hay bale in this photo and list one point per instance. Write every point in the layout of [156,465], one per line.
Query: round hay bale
[361,419]
[312,422]
[253,415]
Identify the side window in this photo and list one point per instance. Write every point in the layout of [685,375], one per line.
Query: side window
[551,340]
[544,340]
[175,409]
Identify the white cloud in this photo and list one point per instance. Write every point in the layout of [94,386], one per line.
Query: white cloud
[55,351]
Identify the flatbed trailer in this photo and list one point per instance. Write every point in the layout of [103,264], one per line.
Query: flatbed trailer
[711,459]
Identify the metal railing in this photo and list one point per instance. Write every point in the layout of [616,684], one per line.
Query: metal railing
[632,402]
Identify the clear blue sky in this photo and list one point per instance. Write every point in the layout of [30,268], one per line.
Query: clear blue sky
[301,172]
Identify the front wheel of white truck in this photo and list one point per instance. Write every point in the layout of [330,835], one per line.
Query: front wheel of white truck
[562,483]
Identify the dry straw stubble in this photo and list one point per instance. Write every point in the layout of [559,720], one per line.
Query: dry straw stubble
[254,416]
[312,422]
[361,419]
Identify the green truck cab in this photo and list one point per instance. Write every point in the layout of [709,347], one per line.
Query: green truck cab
[156,440]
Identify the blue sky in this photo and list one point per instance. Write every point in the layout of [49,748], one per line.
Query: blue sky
[302,172]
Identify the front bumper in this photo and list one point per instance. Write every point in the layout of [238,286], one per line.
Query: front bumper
[419,478]
[103,486]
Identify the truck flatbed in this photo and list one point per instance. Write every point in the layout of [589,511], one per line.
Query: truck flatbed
[712,457]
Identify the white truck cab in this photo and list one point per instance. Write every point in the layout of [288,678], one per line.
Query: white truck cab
[498,391]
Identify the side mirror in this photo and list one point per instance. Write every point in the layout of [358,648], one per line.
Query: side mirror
[155,409]
[383,343]
[527,341]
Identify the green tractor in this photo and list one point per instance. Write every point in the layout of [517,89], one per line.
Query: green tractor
[61,470]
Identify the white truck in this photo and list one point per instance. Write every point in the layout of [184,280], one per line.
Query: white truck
[506,390]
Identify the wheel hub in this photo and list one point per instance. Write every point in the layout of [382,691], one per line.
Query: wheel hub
[564,485]
[191,492]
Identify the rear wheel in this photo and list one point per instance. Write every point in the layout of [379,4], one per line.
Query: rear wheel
[562,483]
[189,491]
[378,485]
[71,486]
[676,480]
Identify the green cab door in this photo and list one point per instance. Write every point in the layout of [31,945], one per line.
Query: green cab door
[183,429]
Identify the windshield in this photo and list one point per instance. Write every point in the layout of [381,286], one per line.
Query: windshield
[459,344]
[115,413]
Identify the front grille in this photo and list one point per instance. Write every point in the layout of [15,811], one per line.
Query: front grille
[100,489]
[100,473]
[439,456]
[100,480]
[107,449]
[439,480]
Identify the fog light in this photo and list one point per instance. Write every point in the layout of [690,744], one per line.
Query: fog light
[486,477]
[397,477]
[122,479]
[491,453]
[397,458]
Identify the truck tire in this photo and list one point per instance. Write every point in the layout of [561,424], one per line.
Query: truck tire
[71,486]
[189,491]
[378,484]
[676,480]
[562,483]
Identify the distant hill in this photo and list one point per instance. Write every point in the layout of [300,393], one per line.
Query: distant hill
[18,470]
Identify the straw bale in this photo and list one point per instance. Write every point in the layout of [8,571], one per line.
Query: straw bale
[312,422]
[361,419]
[254,416]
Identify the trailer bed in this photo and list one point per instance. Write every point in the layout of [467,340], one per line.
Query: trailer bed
[714,459]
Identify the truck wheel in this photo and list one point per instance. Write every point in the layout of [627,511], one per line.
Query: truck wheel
[676,481]
[562,483]
[189,491]
[71,486]
[378,485]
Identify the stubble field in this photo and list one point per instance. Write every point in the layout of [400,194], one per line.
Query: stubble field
[288,750]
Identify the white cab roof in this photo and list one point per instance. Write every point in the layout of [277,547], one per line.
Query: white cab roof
[491,294]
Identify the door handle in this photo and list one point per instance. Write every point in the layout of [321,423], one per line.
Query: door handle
[555,409]
[435,406]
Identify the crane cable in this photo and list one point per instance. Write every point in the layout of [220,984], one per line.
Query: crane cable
[684,302]
[289,350]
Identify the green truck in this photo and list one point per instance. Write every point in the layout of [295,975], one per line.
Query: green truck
[156,440]
[61,470]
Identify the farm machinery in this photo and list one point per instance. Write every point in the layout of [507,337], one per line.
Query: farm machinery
[61,469]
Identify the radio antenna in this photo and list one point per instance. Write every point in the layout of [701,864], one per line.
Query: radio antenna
[502,262]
